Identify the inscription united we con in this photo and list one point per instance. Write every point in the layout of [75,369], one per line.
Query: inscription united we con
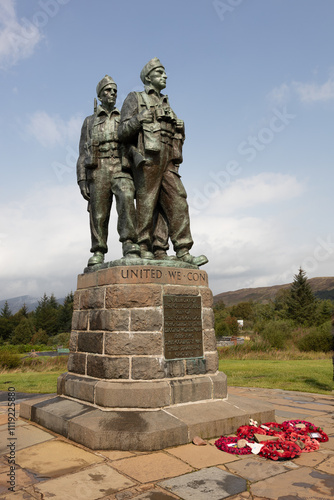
[158,274]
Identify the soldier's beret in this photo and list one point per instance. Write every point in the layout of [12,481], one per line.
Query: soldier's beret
[152,64]
[105,81]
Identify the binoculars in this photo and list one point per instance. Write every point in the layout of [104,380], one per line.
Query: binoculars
[165,114]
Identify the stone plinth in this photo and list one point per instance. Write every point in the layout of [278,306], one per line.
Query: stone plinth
[143,364]
[118,340]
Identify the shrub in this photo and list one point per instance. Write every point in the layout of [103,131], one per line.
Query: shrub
[8,348]
[222,329]
[277,333]
[9,360]
[60,339]
[31,362]
[22,348]
[39,347]
[23,332]
[319,339]
[40,337]
[232,324]
[239,350]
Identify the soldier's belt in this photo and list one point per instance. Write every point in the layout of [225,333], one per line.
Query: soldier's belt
[167,133]
[108,154]
[107,146]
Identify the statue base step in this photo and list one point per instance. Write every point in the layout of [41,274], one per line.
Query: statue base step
[142,394]
[143,430]
[143,364]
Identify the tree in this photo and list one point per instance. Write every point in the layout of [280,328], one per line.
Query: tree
[302,301]
[19,316]
[5,311]
[24,332]
[65,314]
[6,322]
[232,324]
[39,337]
[264,312]
[52,301]
[324,311]
[281,302]
[333,343]
[219,306]
[220,312]
[46,315]
[6,328]
[23,312]
[243,310]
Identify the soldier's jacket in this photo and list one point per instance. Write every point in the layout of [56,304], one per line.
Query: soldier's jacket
[149,137]
[99,139]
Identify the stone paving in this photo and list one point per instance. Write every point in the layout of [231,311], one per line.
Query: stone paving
[50,466]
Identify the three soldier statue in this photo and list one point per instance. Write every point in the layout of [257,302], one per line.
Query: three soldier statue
[135,155]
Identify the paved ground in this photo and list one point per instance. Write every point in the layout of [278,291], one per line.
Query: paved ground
[49,466]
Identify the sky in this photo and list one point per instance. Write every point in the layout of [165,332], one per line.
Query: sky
[252,79]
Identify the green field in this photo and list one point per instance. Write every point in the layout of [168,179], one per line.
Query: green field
[39,376]
[291,375]
[312,375]
[38,382]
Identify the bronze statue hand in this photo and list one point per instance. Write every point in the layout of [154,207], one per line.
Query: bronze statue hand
[146,116]
[84,189]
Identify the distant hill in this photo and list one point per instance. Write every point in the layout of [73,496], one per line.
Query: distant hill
[323,288]
[16,303]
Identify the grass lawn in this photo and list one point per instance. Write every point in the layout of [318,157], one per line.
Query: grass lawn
[39,376]
[291,375]
[29,381]
[310,375]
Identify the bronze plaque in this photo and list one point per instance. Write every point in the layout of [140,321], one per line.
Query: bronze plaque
[182,327]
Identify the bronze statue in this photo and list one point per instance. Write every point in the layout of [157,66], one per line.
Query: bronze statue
[153,137]
[101,176]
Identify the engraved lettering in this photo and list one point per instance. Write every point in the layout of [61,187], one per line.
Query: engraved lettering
[171,275]
[182,326]
[175,274]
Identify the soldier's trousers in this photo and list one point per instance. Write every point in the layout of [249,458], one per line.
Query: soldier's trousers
[104,184]
[159,186]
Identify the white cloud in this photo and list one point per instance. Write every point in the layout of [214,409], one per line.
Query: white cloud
[249,244]
[264,188]
[45,241]
[314,92]
[53,131]
[267,187]
[242,251]
[249,252]
[17,41]
[306,92]
[279,95]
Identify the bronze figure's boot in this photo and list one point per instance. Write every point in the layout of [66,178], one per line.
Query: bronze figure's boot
[190,259]
[162,255]
[131,250]
[145,253]
[96,258]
